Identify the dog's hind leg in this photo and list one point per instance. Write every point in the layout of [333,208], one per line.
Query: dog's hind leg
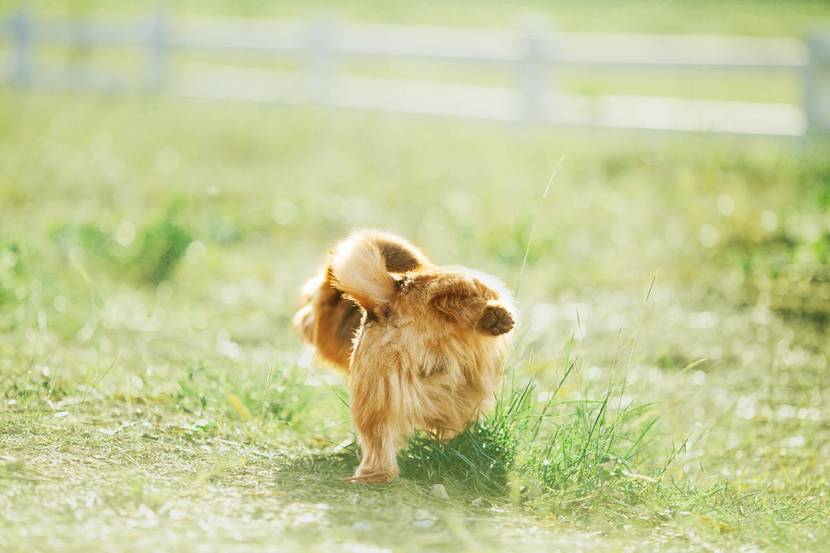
[378,463]
[471,303]
[378,418]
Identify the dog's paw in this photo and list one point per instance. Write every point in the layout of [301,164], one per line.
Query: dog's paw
[496,320]
[362,477]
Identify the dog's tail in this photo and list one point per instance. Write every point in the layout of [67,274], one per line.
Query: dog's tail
[359,268]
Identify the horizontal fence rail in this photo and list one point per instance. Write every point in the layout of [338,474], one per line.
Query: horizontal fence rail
[502,47]
[532,52]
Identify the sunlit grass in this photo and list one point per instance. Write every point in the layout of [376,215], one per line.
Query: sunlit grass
[744,17]
[153,392]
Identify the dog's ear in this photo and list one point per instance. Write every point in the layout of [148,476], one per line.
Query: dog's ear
[400,255]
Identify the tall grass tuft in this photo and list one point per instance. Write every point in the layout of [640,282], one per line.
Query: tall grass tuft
[556,452]
[481,457]
[160,246]
[157,250]
[12,276]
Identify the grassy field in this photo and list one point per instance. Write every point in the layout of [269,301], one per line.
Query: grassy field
[668,390]
[742,17]
[669,387]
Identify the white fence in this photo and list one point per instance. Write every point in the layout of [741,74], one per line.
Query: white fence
[531,54]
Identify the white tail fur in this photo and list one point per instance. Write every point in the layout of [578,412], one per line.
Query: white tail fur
[359,271]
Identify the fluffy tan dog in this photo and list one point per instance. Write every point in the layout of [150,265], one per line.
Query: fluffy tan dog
[427,352]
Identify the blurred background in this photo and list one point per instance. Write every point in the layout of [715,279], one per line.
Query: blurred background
[638,65]
[652,178]
[246,137]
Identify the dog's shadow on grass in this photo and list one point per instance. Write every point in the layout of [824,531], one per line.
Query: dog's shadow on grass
[335,463]
[478,461]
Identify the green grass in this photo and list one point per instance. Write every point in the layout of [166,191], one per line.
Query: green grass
[153,392]
[764,17]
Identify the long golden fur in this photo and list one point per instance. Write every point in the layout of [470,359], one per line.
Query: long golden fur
[423,346]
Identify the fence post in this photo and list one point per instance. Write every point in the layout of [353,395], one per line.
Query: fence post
[158,38]
[320,59]
[533,71]
[20,24]
[816,85]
